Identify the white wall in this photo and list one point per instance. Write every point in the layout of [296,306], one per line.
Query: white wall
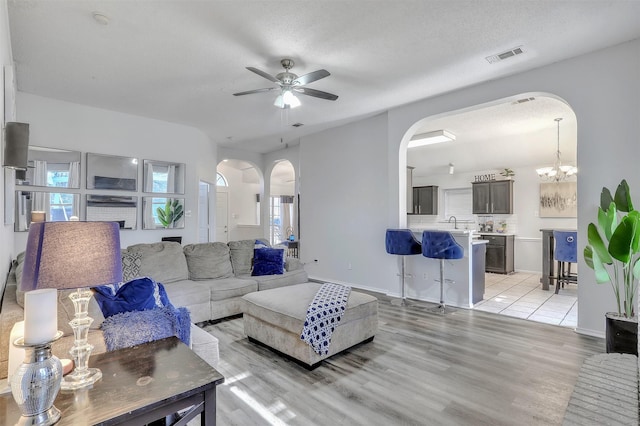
[351,175]
[59,124]
[343,197]
[603,90]
[7,251]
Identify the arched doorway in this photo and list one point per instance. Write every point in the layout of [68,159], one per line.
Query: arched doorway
[242,194]
[518,133]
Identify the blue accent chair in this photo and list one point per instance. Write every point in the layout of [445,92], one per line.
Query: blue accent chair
[565,253]
[401,242]
[441,245]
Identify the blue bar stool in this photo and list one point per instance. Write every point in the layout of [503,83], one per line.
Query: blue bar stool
[441,245]
[565,253]
[402,242]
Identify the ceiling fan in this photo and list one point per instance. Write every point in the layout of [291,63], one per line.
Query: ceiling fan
[288,83]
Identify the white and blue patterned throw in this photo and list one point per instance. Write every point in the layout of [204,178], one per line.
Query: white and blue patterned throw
[323,316]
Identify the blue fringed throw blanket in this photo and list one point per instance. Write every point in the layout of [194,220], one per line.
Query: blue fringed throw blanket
[323,316]
[133,328]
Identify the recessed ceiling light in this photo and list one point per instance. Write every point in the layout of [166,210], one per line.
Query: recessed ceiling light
[431,138]
[297,125]
[101,18]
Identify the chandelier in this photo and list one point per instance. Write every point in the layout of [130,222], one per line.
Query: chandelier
[558,172]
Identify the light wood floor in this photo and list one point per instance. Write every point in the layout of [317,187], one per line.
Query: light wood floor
[464,368]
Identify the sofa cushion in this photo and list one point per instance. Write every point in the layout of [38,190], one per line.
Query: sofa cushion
[163,261]
[131,263]
[227,288]
[208,261]
[267,282]
[187,293]
[241,253]
[268,261]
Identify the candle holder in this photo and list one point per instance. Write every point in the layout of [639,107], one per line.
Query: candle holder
[36,382]
[82,376]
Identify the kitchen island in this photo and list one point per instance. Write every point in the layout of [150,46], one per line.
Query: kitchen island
[467,273]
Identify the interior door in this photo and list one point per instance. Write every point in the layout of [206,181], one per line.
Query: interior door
[222,216]
[203,212]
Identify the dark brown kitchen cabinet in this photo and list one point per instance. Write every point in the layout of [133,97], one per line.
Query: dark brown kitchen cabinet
[494,197]
[425,200]
[499,255]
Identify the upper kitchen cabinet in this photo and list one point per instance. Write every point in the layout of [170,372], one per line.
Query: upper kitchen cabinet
[493,197]
[425,200]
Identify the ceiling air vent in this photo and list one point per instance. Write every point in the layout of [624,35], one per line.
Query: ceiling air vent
[523,100]
[505,55]
[297,125]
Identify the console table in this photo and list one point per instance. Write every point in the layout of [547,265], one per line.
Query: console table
[139,385]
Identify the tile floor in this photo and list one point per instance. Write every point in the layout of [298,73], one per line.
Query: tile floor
[520,295]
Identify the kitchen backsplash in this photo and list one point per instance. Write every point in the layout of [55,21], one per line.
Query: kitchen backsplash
[435,222]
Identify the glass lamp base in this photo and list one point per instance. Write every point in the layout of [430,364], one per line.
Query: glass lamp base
[46,418]
[75,381]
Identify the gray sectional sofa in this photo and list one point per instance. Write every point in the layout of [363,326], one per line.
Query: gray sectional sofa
[209,279]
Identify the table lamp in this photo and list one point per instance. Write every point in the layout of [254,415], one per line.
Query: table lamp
[74,255]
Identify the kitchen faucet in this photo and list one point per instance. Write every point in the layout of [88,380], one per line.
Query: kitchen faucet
[455,222]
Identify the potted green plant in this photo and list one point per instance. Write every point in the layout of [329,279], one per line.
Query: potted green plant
[613,254]
[507,173]
[171,213]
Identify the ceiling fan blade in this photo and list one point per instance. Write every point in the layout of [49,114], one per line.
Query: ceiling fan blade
[311,77]
[263,74]
[316,93]
[248,92]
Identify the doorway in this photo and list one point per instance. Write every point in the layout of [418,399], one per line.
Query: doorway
[203,212]
[518,134]
[282,213]
[222,216]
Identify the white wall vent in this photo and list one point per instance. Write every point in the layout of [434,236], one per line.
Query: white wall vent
[523,100]
[505,55]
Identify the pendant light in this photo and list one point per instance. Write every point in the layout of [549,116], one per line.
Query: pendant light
[558,172]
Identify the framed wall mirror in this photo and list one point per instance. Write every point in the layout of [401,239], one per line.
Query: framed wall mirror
[162,213]
[113,208]
[51,206]
[164,177]
[112,172]
[51,167]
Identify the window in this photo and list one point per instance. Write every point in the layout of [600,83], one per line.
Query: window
[60,207]
[220,180]
[275,222]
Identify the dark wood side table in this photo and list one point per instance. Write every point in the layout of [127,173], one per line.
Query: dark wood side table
[139,385]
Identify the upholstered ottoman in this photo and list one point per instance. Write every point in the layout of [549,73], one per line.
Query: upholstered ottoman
[276,318]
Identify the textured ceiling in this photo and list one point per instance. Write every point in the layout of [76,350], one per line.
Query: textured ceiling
[180,61]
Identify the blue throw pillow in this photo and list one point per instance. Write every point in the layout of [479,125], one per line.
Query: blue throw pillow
[135,295]
[268,261]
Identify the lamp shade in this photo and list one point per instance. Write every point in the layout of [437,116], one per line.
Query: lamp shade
[72,255]
[16,145]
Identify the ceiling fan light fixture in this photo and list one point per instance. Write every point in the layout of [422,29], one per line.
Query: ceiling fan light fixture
[287,99]
[290,99]
[430,138]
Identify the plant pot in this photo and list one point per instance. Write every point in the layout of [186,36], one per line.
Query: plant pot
[622,334]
